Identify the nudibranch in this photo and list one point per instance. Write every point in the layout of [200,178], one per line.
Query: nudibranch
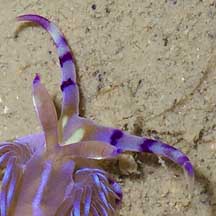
[40,175]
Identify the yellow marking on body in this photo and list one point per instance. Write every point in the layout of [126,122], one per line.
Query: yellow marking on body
[64,121]
[76,136]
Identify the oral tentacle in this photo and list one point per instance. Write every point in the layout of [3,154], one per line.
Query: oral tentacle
[126,142]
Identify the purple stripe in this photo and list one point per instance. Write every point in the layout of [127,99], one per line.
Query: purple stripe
[147,144]
[116,135]
[181,160]
[35,18]
[66,57]
[67,83]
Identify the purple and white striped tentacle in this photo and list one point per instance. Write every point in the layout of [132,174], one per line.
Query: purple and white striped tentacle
[69,87]
[142,144]
[126,142]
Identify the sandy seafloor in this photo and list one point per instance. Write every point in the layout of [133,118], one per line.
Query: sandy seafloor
[148,67]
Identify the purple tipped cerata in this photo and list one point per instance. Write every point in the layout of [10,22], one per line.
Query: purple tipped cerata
[51,172]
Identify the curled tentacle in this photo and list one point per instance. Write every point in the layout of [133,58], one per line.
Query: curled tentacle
[21,152]
[14,157]
[34,142]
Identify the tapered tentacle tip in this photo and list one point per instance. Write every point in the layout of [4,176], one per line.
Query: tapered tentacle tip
[26,17]
[189,168]
[189,175]
[23,17]
[36,79]
[19,18]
